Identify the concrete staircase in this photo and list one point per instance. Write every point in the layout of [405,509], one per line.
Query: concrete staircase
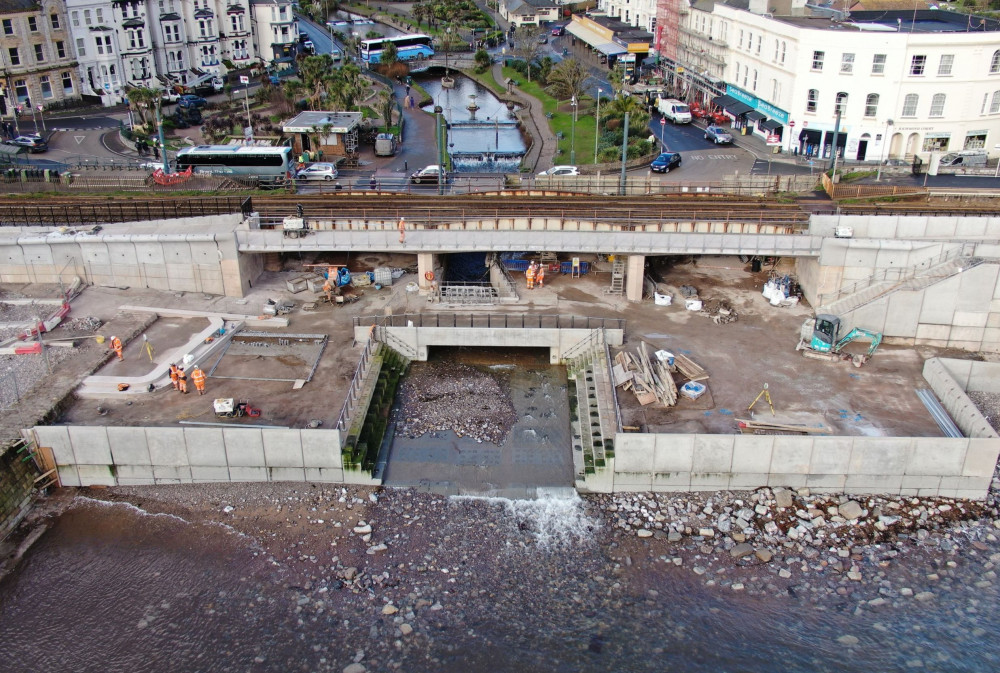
[915,277]
[592,417]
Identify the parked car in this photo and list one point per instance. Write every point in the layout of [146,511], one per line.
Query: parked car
[191,100]
[429,174]
[318,171]
[558,31]
[33,143]
[664,162]
[385,145]
[560,171]
[169,96]
[718,135]
[543,39]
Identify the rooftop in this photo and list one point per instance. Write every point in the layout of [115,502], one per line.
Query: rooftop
[317,120]
[895,21]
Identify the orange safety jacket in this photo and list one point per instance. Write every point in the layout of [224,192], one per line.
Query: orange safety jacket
[198,377]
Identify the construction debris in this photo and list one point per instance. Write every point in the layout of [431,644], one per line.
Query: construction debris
[719,310]
[650,379]
[690,369]
[749,427]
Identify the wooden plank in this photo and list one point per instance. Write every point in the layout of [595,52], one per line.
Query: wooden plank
[690,369]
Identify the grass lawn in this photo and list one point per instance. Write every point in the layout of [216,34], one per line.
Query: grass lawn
[561,120]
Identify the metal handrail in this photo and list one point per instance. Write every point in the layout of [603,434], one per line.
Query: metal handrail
[489,320]
[899,275]
[354,389]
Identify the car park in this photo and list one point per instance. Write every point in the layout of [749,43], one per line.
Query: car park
[718,135]
[34,143]
[664,162]
[557,171]
[428,174]
[318,171]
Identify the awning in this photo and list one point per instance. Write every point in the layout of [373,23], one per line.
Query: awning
[812,136]
[723,101]
[770,125]
[755,116]
[737,108]
[595,39]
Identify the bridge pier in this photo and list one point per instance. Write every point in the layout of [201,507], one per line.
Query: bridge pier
[427,263]
[634,272]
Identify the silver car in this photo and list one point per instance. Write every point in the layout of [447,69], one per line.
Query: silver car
[320,171]
[718,135]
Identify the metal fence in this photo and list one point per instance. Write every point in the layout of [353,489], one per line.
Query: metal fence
[490,320]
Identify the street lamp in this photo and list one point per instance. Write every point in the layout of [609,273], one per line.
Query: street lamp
[572,140]
[885,144]
[597,128]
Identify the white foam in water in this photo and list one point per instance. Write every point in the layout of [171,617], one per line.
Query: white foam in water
[556,517]
[138,510]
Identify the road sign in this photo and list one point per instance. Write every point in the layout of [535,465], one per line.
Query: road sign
[773,139]
[244,79]
[41,107]
[791,124]
[107,86]
[663,122]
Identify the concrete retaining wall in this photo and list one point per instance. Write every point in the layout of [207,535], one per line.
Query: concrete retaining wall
[98,455]
[917,466]
[950,380]
[940,227]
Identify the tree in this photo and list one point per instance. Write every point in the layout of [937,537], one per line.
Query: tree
[567,79]
[638,115]
[483,60]
[385,104]
[142,100]
[616,78]
[317,76]
[390,55]
[526,48]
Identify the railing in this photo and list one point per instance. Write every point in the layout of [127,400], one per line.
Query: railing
[386,337]
[594,339]
[489,320]
[611,384]
[899,275]
[357,383]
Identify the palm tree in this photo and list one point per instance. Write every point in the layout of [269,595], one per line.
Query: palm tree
[567,79]
[142,100]
[384,105]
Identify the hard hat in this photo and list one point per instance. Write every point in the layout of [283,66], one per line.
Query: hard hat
[113,338]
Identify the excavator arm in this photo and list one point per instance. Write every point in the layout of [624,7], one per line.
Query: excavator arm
[860,333]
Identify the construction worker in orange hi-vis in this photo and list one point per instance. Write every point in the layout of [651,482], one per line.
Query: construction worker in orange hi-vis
[182,381]
[540,276]
[198,377]
[116,346]
[174,375]
[529,275]
[328,289]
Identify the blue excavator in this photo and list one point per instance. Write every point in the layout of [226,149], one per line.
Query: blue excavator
[820,339]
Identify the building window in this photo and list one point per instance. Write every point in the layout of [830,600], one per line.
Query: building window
[871,105]
[760,39]
[54,20]
[811,99]
[99,13]
[81,49]
[995,103]
[86,17]
[39,53]
[841,104]
[995,63]
[21,90]
[75,16]
[818,57]
[944,67]
[741,39]
[917,64]
[783,50]
[775,51]
[846,64]
[936,143]
[775,91]
[937,105]
[975,140]
[33,24]
[15,55]
[46,85]
[236,21]
[754,87]
[910,105]
[104,44]
[67,82]
[60,49]
[878,64]
[8,27]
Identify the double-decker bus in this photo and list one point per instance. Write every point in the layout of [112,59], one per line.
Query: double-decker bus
[273,165]
[408,48]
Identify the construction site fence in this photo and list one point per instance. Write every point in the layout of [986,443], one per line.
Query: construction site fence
[489,320]
[837,190]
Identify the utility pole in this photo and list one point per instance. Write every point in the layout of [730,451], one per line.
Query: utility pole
[621,189]
[163,140]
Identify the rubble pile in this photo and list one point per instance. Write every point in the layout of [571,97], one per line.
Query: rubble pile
[469,401]
[719,310]
[88,324]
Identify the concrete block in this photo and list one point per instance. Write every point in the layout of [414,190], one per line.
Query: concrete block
[360,478]
[166,446]
[204,473]
[134,472]
[879,455]
[873,483]
[786,480]
[244,448]
[969,335]
[624,481]
[791,454]
[920,482]
[747,481]
[56,437]
[327,475]
[973,494]
[135,482]
[96,475]
[90,445]
[665,482]
[634,452]
[970,318]
[937,456]
[826,483]
[901,317]
[321,449]
[712,454]
[984,377]
[830,455]
[672,453]
[709,481]
[286,474]
[172,474]
[69,475]
[205,447]
[282,448]
[240,473]
[981,458]
[752,454]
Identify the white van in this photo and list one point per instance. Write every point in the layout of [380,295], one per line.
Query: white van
[674,110]
[385,145]
[965,158]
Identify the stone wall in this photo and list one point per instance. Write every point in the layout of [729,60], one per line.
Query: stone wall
[97,455]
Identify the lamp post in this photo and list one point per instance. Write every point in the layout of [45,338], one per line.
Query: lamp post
[597,127]
[572,140]
[885,145]
[437,135]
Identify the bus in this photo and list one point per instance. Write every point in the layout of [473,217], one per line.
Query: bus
[272,165]
[408,47]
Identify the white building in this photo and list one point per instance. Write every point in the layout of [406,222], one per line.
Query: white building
[929,79]
[277,30]
[638,13]
[122,43]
